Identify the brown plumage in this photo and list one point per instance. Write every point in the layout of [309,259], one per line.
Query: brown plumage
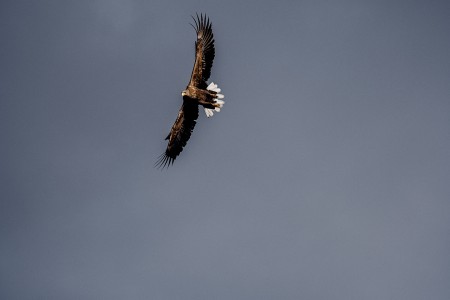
[196,93]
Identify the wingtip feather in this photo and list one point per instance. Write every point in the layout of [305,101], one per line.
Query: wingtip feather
[164,161]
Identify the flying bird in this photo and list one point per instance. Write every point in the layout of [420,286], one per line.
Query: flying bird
[198,92]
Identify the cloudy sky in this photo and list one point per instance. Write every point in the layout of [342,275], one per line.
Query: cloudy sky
[325,176]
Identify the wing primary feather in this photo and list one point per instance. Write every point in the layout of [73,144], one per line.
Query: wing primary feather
[196,24]
[161,162]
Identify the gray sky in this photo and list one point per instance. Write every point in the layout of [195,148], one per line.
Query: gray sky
[325,176]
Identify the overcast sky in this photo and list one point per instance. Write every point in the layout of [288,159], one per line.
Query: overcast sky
[325,176]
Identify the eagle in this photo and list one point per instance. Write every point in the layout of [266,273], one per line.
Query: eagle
[198,92]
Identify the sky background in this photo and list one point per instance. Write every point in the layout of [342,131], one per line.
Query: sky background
[325,176]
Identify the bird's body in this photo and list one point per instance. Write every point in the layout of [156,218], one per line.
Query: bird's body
[199,96]
[196,93]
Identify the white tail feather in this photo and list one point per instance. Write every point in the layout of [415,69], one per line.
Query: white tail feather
[213,87]
[209,112]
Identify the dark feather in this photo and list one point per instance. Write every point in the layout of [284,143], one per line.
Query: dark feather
[204,52]
[179,134]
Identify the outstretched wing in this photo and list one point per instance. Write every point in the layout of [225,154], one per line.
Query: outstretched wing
[179,134]
[204,52]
